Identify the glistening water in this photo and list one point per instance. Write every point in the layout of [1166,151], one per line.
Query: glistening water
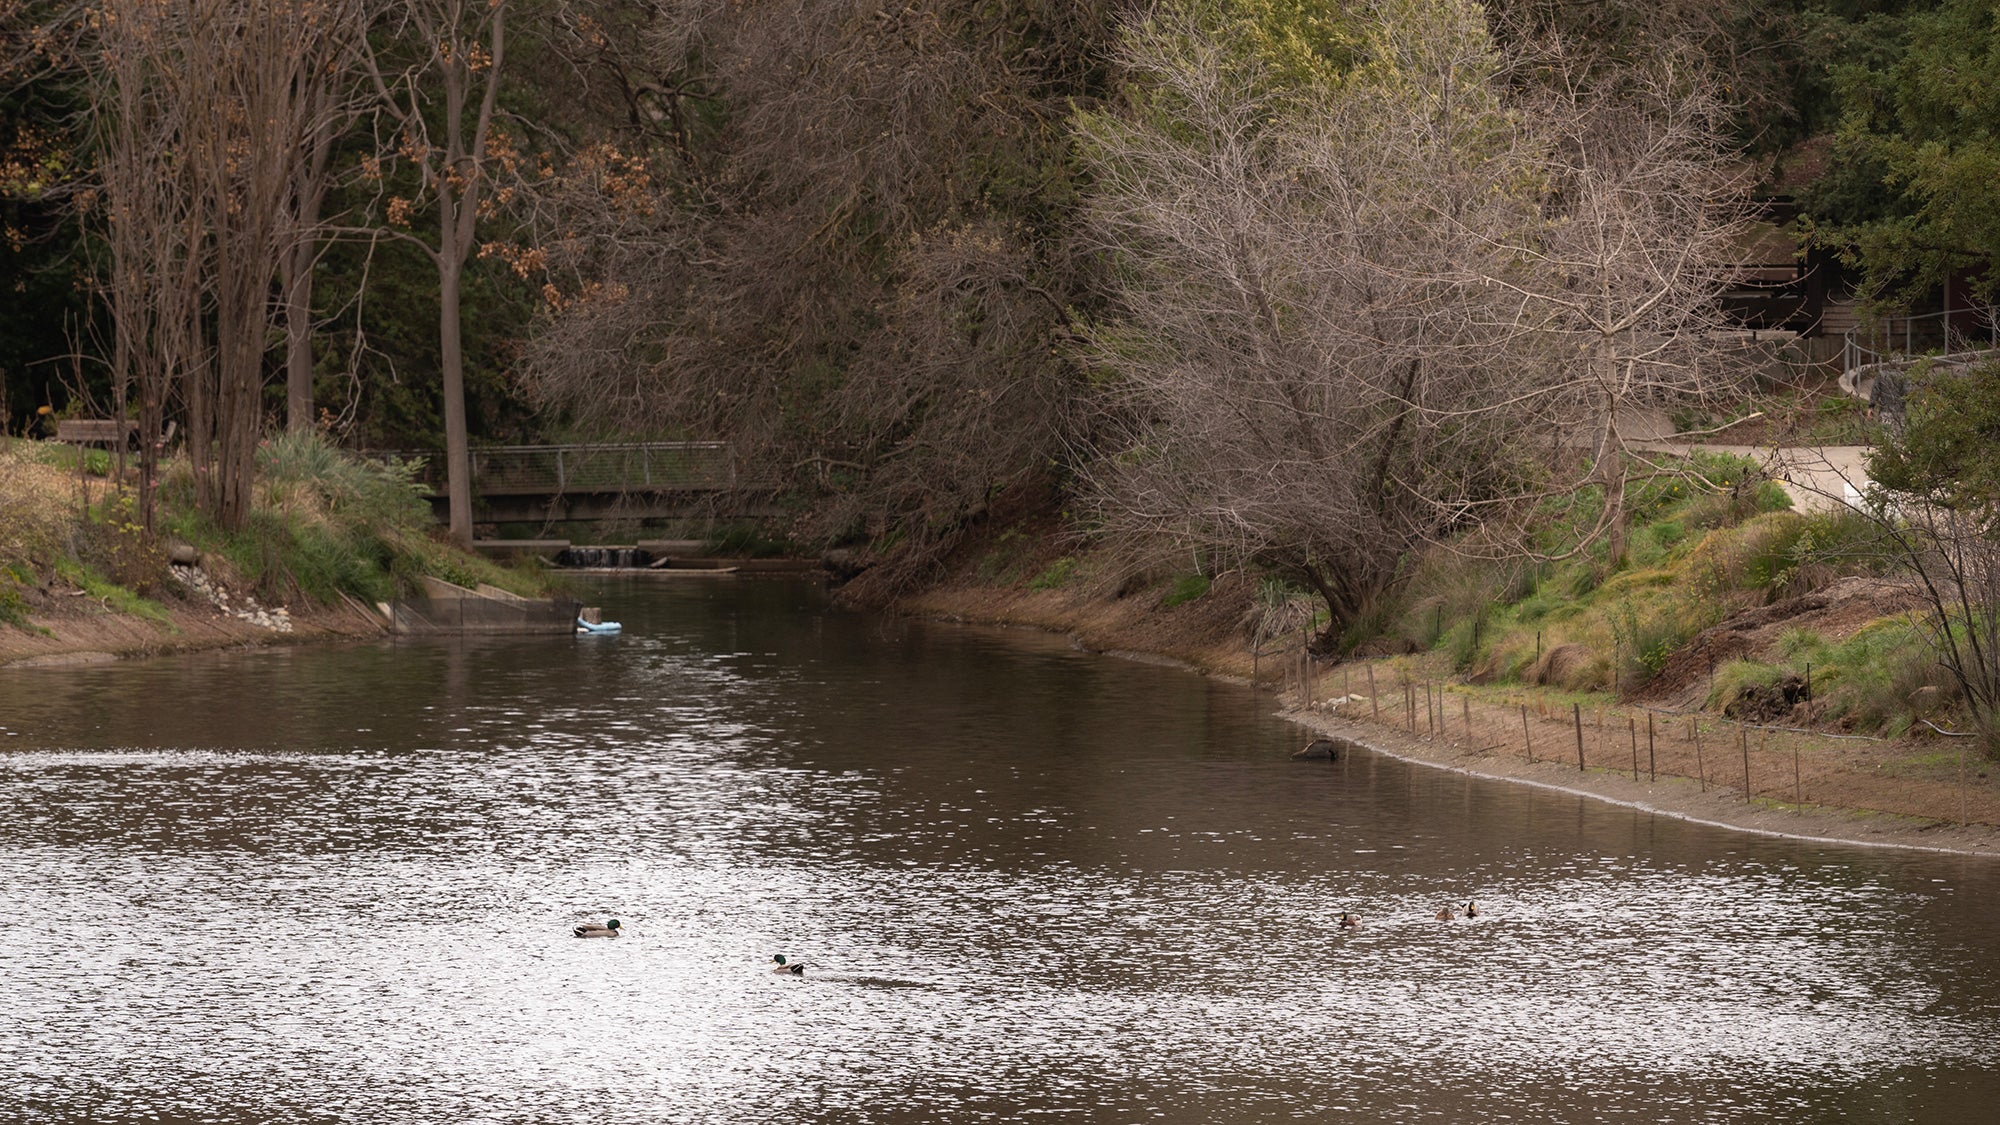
[332,884]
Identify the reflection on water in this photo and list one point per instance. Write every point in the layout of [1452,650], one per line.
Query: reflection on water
[323,884]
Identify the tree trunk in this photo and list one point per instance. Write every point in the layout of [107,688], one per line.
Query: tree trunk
[297,270]
[1610,473]
[457,455]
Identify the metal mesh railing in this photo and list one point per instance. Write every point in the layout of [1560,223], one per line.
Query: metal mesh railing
[535,470]
[1896,338]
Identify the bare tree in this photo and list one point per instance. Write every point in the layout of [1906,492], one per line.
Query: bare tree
[1954,553]
[198,107]
[1935,494]
[152,284]
[333,79]
[1640,202]
[443,108]
[850,256]
[252,67]
[1295,376]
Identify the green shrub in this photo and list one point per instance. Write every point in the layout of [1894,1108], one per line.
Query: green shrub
[116,542]
[13,606]
[1766,548]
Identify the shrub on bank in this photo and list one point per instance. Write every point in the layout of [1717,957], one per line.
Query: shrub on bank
[1703,544]
[324,523]
[327,522]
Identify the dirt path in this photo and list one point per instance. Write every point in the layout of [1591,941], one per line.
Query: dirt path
[1818,478]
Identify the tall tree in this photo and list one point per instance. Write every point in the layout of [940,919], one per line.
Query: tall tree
[199,107]
[333,78]
[1917,131]
[443,107]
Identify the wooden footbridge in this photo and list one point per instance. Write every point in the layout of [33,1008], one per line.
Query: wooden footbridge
[630,480]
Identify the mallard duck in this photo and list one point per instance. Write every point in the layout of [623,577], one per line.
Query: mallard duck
[1349,922]
[592,929]
[1472,910]
[1446,915]
[796,968]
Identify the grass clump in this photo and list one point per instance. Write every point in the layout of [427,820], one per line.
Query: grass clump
[1186,588]
[112,596]
[1058,574]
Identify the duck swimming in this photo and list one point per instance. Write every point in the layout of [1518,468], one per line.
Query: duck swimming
[1446,915]
[592,929]
[796,968]
[1472,910]
[1349,922]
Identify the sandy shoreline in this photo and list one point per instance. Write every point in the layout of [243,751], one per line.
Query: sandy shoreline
[1676,797]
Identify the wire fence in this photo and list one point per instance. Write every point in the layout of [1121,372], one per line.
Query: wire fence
[1754,763]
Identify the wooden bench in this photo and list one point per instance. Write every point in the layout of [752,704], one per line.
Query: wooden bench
[96,431]
[106,432]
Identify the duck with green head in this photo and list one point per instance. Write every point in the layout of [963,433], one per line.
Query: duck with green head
[592,929]
[795,968]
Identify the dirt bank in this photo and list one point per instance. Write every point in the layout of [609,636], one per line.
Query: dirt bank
[1918,793]
[78,630]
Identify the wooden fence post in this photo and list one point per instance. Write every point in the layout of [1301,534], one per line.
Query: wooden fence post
[1374,707]
[1527,736]
[1576,717]
[1632,726]
[1652,770]
[1701,775]
[1743,740]
[1465,709]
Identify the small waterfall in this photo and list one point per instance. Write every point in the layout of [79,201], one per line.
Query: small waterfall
[605,558]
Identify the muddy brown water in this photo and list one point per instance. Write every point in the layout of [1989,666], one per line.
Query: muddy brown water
[330,884]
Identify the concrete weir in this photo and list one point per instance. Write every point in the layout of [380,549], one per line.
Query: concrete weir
[446,608]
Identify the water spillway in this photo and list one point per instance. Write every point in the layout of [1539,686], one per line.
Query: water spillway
[606,558]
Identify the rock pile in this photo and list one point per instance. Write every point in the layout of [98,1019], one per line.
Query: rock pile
[242,607]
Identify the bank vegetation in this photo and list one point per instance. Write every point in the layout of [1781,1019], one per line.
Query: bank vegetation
[325,534]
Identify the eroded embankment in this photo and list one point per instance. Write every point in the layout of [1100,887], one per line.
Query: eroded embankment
[90,633]
[1815,785]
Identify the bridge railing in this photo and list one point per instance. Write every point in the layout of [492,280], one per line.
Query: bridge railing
[535,470]
[1949,332]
